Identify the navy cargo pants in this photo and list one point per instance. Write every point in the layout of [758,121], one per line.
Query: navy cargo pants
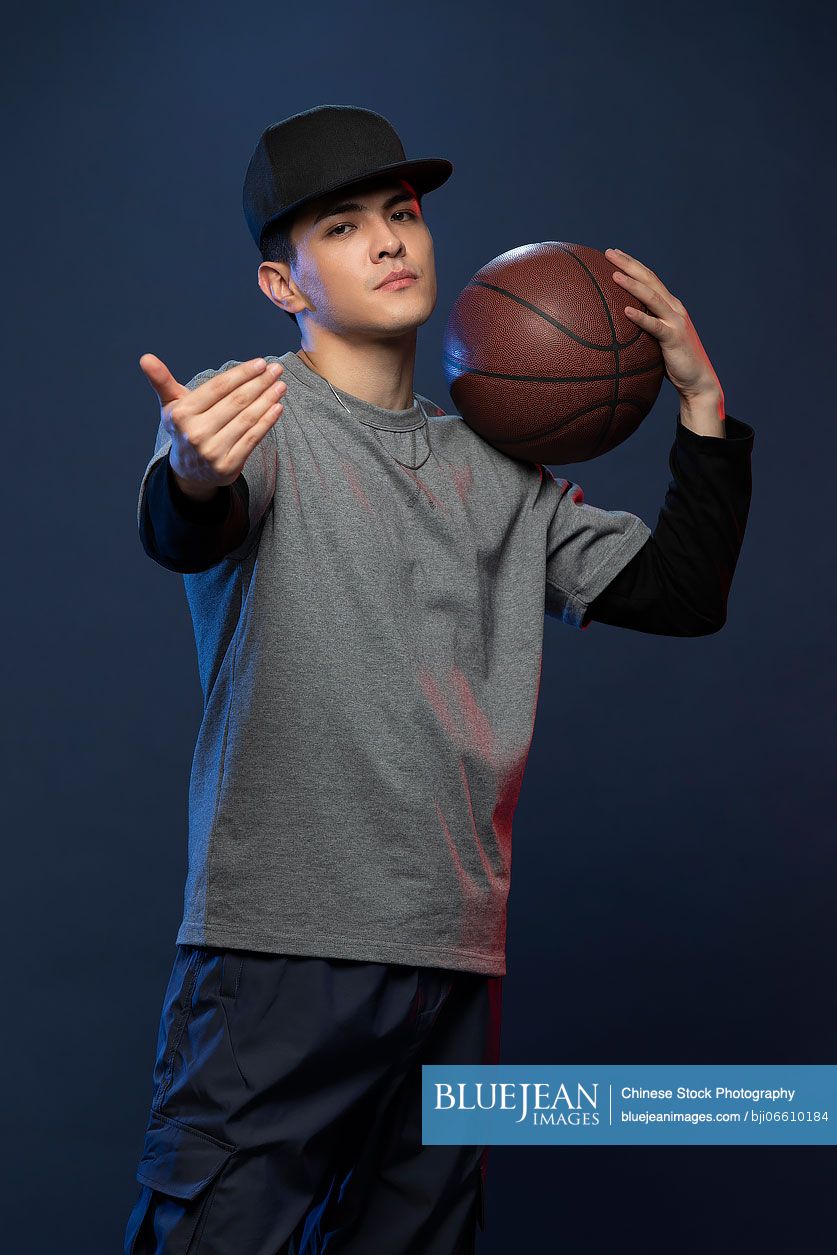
[286,1109]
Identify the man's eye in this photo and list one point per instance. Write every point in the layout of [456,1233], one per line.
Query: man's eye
[348,224]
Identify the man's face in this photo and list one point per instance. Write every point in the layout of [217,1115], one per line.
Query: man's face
[344,254]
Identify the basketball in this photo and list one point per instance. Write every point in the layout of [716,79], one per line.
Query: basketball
[541,359]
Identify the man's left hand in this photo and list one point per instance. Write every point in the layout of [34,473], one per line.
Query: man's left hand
[686,362]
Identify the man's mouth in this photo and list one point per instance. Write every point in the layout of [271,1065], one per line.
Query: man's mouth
[397,279]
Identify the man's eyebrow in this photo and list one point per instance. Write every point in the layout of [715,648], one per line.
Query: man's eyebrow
[353,207]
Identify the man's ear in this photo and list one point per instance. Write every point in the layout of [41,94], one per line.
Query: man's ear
[275,281]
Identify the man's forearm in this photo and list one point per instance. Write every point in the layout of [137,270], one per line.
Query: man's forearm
[678,583]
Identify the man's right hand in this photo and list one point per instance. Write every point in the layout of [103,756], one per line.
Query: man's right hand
[215,426]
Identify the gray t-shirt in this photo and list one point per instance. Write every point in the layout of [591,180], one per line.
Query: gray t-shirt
[370,658]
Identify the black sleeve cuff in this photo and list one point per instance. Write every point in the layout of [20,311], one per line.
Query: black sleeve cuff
[737,441]
[186,535]
[213,511]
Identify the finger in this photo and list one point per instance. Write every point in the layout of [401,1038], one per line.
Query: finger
[163,382]
[636,269]
[656,326]
[220,386]
[242,449]
[645,292]
[631,264]
[214,412]
[243,424]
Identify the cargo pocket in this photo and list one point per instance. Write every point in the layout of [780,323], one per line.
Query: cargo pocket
[178,1159]
[181,1166]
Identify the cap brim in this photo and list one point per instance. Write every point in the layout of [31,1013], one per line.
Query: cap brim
[424,173]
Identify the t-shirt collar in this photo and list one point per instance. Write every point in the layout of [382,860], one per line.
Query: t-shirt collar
[363,411]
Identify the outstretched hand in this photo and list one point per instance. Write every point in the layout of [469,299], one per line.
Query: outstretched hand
[215,426]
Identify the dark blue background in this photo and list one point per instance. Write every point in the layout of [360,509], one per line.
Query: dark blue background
[674,869]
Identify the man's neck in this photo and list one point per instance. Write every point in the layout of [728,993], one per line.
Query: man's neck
[381,374]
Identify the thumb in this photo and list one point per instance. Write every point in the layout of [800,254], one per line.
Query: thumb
[161,379]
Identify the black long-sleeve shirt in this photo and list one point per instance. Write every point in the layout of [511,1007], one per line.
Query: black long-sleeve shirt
[679,582]
[676,585]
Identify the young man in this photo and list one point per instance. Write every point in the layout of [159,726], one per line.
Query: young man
[367,580]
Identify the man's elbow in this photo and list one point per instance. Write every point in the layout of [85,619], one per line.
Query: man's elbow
[181,564]
[708,626]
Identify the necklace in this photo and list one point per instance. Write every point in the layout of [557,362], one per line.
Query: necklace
[414,465]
